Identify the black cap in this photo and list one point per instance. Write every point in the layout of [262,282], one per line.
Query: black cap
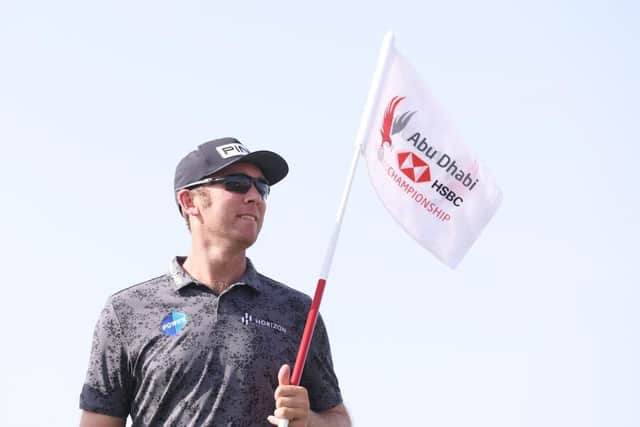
[215,155]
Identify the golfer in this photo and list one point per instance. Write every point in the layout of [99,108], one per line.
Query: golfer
[211,342]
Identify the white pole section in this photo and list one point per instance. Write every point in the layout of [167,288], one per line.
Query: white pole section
[365,121]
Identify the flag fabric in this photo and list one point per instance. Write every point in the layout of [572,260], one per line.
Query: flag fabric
[425,175]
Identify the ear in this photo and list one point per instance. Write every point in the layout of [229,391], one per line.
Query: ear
[185,198]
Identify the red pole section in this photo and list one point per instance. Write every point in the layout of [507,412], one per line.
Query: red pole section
[307,334]
[363,129]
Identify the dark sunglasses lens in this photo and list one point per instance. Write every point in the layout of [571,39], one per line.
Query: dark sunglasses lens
[263,188]
[237,184]
[242,184]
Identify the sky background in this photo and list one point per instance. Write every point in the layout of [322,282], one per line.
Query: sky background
[537,327]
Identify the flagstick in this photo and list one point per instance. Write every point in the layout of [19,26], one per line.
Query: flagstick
[365,120]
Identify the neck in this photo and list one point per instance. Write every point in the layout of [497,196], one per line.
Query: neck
[215,267]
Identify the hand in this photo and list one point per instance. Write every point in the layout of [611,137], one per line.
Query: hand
[292,401]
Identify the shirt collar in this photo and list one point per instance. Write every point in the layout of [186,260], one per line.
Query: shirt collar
[181,278]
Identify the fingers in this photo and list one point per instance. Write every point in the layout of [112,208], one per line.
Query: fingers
[296,416]
[292,402]
[293,399]
[284,375]
[273,420]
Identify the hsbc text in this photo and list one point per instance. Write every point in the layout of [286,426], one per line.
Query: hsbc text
[448,194]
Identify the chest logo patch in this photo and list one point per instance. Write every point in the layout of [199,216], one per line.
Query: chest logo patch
[173,323]
[248,319]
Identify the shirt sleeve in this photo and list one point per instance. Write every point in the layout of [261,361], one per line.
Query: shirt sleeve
[108,386]
[318,376]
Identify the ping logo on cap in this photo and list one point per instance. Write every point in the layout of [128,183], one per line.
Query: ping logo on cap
[230,150]
[173,323]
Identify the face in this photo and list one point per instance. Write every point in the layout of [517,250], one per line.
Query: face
[229,218]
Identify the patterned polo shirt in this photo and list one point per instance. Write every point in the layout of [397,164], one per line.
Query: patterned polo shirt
[171,352]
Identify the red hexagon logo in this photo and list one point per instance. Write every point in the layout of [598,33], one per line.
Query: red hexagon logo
[416,169]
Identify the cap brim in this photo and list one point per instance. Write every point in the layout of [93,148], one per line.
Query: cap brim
[273,166]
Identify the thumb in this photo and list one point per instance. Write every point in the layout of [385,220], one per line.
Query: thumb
[284,374]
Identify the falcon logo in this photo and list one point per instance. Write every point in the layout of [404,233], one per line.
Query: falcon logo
[391,125]
[416,169]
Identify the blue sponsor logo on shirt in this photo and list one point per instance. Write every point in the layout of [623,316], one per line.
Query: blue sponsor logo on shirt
[173,323]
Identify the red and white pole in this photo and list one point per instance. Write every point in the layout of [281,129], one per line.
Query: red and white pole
[312,317]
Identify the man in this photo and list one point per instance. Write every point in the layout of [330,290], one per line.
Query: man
[211,342]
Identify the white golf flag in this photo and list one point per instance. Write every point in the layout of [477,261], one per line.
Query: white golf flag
[427,178]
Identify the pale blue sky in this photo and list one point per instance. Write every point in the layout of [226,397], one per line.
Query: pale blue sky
[538,327]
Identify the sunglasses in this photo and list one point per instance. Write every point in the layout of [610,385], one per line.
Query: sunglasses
[236,183]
